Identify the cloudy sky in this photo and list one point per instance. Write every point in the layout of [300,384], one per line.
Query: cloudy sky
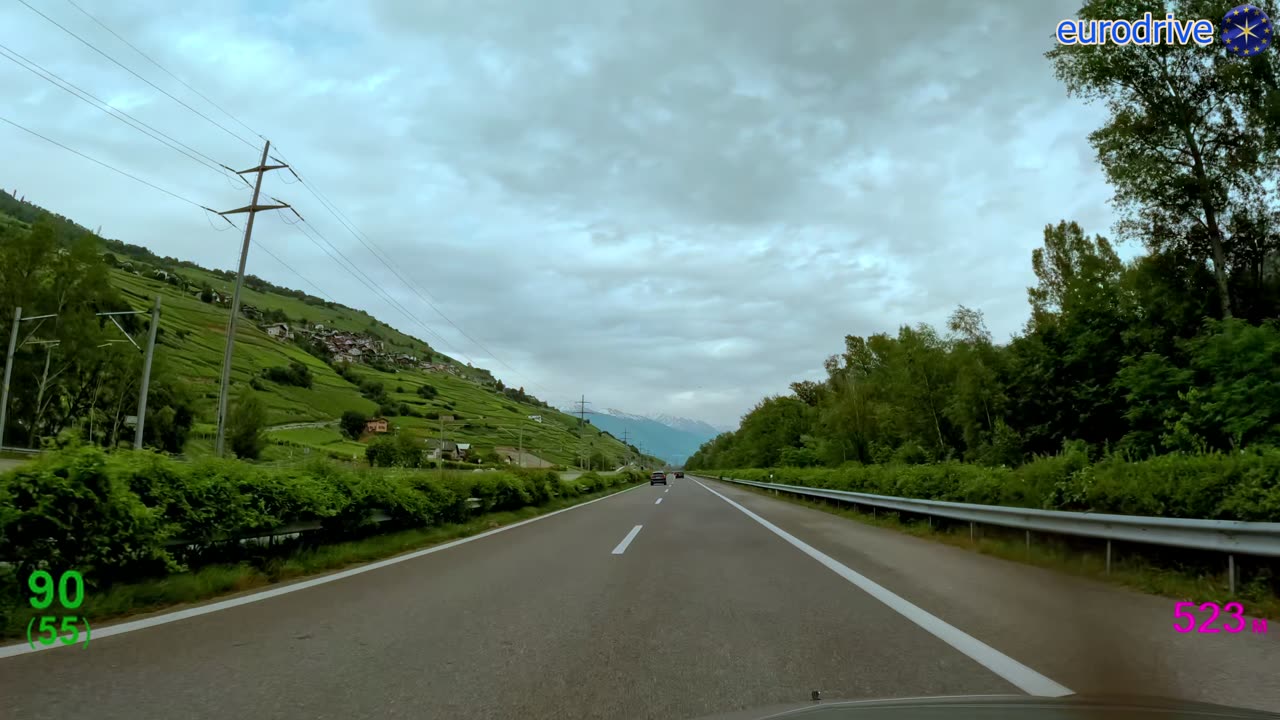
[672,206]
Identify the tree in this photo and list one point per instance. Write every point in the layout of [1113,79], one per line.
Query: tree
[1187,164]
[1063,370]
[245,421]
[54,383]
[598,460]
[382,452]
[353,423]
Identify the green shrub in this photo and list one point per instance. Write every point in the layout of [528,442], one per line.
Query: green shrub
[1225,486]
[119,516]
[296,374]
[71,511]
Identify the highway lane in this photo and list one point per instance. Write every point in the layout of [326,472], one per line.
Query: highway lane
[1091,636]
[703,612]
[626,608]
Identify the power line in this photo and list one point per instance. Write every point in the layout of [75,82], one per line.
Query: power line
[312,233]
[370,245]
[163,68]
[90,99]
[319,196]
[286,265]
[383,294]
[91,46]
[105,165]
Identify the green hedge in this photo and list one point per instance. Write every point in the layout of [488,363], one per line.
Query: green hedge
[1219,486]
[114,516]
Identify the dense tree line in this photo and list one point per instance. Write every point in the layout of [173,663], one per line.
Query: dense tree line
[1176,351]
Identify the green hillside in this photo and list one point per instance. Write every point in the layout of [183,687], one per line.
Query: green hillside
[192,335]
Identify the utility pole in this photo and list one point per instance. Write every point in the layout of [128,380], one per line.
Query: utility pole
[253,208]
[521,444]
[8,370]
[146,375]
[145,384]
[582,426]
[8,360]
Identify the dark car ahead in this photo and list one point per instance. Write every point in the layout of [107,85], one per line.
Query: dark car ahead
[679,473]
[657,477]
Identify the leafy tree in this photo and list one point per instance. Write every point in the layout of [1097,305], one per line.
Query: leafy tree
[353,423]
[245,422]
[1189,168]
[374,390]
[55,382]
[382,452]
[297,374]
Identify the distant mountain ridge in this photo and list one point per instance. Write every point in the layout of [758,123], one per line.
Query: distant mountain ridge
[697,427]
[670,437]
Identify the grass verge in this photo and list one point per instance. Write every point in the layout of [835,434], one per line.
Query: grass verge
[213,581]
[1129,566]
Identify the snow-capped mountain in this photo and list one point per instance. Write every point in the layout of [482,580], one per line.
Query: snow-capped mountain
[669,437]
[689,425]
[697,427]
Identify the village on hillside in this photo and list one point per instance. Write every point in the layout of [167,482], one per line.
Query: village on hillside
[348,347]
[342,345]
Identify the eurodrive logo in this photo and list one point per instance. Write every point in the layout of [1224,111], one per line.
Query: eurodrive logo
[1245,31]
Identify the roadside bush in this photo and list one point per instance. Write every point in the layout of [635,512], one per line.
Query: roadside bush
[1222,486]
[72,511]
[117,516]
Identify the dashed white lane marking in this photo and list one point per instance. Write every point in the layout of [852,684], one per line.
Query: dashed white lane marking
[622,546]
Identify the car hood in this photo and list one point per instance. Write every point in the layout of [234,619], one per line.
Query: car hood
[1003,707]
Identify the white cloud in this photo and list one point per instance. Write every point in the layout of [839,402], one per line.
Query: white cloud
[668,206]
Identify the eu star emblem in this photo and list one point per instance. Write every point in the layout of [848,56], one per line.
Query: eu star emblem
[1246,31]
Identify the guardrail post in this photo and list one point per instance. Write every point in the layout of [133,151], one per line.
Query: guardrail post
[1108,556]
[970,531]
[1231,573]
[1028,543]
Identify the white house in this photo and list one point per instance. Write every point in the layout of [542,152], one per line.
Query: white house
[279,331]
[536,418]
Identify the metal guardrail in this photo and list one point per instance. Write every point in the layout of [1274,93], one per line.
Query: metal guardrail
[1227,536]
[20,451]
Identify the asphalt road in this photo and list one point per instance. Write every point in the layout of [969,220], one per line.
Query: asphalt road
[654,603]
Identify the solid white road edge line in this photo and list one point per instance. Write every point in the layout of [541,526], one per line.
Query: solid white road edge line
[1026,679]
[23,649]
[622,546]
[658,501]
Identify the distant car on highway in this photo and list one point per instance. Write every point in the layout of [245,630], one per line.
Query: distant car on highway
[679,473]
[657,477]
